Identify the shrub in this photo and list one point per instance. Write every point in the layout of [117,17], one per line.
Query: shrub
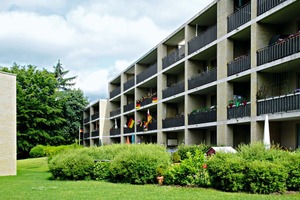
[292,164]
[176,157]
[101,171]
[71,165]
[49,151]
[138,164]
[191,171]
[226,171]
[265,177]
[183,149]
[37,151]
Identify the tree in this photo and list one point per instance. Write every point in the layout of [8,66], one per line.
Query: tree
[63,83]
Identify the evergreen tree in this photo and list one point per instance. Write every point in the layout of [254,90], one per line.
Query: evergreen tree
[59,73]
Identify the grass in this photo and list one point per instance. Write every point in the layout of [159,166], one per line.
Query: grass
[33,182]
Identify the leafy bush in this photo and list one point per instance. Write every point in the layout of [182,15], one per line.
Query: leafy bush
[183,149]
[191,171]
[138,164]
[71,165]
[101,171]
[48,151]
[292,164]
[226,172]
[37,151]
[264,177]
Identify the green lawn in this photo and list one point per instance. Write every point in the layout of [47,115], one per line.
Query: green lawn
[32,182]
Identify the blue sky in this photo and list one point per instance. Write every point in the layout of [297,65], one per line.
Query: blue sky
[94,39]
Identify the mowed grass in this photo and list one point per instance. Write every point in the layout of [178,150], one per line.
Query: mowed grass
[33,182]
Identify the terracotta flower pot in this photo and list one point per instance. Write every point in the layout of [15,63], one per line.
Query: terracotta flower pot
[160,180]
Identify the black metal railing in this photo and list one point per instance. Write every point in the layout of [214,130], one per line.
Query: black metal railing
[202,39]
[128,84]
[202,117]
[279,104]
[265,5]
[115,92]
[115,132]
[279,50]
[150,71]
[203,78]
[173,90]
[239,17]
[239,111]
[86,120]
[239,64]
[115,112]
[95,116]
[173,121]
[128,130]
[86,135]
[128,107]
[95,133]
[151,126]
[173,57]
[146,101]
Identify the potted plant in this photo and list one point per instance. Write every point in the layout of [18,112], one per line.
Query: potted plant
[244,101]
[159,174]
[230,103]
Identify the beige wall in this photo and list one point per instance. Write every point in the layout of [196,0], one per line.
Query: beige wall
[7,124]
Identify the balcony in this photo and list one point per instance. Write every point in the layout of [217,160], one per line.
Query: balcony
[115,112]
[202,117]
[173,57]
[278,104]
[238,65]
[128,130]
[173,121]
[115,92]
[151,126]
[128,107]
[115,132]
[86,120]
[265,5]
[239,17]
[95,133]
[95,116]
[202,39]
[86,135]
[147,73]
[173,90]
[203,78]
[128,84]
[239,111]
[282,48]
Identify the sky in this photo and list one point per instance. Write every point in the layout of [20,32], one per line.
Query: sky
[94,39]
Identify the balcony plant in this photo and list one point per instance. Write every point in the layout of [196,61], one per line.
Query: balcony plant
[261,93]
[230,103]
[159,174]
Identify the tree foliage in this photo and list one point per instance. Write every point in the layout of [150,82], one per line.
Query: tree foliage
[45,115]
[62,82]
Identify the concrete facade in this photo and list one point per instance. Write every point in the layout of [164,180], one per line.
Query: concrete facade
[241,52]
[8,165]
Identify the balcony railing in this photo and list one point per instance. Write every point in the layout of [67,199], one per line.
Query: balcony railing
[279,50]
[115,112]
[239,17]
[239,111]
[173,90]
[202,117]
[238,65]
[202,39]
[151,126]
[173,57]
[173,122]
[128,84]
[146,101]
[128,130]
[86,120]
[86,135]
[203,78]
[128,107]
[150,71]
[95,116]
[115,132]
[277,104]
[265,5]
[95,133]
[115,92]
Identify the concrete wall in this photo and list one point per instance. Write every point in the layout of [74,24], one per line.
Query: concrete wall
[7,124]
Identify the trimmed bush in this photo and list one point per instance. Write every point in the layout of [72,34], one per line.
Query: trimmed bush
[183,149]
[71,165]
[37,151]
[292,164]
[138,164]
[48,151]
[226,171]
[101,171]
[191,171]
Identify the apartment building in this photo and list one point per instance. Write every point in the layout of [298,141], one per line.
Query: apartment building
[95,122]
[214,79]
[8,123]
